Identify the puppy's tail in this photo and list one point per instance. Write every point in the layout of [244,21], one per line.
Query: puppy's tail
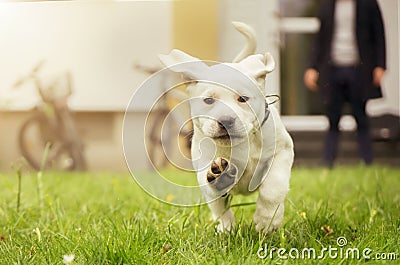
[251,44]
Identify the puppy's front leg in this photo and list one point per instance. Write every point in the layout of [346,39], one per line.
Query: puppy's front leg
[222,214]
[272,192]
[220,178]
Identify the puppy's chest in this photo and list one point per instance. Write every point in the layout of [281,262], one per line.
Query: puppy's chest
[249,160]
[242,186]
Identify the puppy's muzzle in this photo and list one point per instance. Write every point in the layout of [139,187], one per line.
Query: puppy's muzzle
[226,123]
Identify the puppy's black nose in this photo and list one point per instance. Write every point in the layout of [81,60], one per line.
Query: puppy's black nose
[226,122]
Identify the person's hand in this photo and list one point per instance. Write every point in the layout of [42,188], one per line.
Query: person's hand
[310,79]
[377,75]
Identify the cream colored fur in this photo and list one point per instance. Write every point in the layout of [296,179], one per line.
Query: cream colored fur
[259,156]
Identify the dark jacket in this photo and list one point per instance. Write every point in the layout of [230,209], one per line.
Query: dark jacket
[371,44]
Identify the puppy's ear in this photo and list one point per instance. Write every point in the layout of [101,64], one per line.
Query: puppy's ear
[181,62]
[191,87]
[269,66]
[269,62]
[176,57]
[257,66]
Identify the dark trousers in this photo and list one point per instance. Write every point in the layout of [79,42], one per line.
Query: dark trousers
[345,87]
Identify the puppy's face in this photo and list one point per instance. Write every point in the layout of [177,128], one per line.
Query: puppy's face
[226,101]
[226,114]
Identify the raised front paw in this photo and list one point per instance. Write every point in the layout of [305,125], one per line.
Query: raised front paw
[222,174]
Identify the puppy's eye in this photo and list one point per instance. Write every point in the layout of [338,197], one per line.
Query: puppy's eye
[243,99]
[209,101]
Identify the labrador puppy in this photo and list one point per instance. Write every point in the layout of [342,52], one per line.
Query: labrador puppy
[239,144]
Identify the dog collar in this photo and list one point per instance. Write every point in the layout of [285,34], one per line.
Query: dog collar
[267,111]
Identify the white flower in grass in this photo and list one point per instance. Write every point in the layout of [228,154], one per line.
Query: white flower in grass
[38,234]
[68,259]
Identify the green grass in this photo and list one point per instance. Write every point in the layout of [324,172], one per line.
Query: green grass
[107,219]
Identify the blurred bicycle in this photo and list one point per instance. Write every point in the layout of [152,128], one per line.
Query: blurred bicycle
[49,138]
[168,128]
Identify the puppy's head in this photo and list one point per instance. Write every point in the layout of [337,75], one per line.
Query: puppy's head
[226,99]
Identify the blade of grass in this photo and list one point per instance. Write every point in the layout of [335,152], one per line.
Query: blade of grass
[39,175]
[19,175]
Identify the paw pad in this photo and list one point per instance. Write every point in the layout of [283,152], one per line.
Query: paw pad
[222,174]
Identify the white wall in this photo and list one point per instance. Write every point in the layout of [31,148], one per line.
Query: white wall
[98,42]
[263,17]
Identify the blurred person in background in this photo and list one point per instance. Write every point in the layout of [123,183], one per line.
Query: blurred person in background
[347,63]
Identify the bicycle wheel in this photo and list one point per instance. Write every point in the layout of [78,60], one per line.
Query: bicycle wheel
[67,158]
[33,137]
[73,147]
[155,131]
[75,153]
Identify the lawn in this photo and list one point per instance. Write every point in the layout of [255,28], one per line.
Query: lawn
[105,218]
